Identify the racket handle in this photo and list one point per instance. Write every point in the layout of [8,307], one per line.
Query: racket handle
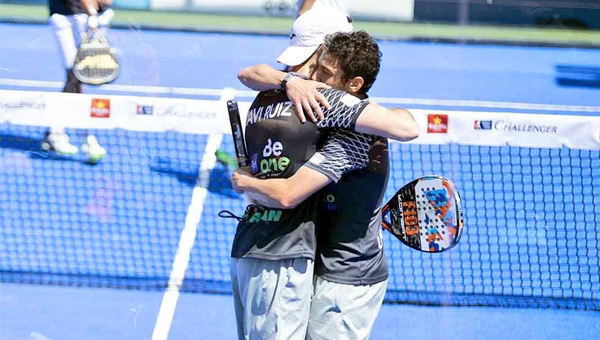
[93,21]
[237,132]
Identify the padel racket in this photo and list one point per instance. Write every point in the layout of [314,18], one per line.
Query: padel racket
[241,153]
[425,214]
[96,62]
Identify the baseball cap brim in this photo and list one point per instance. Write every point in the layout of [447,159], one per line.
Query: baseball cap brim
[296,55]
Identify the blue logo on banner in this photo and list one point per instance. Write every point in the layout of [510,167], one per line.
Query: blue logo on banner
[145,110]
[482,125]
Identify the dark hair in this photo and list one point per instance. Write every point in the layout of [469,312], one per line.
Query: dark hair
[357,54]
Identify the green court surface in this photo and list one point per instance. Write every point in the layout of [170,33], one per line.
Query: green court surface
[279,25]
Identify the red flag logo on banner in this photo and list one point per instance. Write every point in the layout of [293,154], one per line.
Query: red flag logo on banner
[437,123]
[100,108]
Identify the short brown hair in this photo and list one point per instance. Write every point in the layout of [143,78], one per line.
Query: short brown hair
[357,54]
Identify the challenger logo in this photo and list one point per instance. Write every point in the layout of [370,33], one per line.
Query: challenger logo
[100,108]
[272,161]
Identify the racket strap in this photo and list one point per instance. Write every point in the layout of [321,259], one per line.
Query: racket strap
[250,210]
[229,214]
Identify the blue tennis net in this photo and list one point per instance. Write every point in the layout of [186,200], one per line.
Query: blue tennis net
[532,216]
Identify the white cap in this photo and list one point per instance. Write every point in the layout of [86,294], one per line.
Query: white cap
[309,31]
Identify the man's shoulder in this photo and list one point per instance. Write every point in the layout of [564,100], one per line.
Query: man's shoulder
[271,95]
[267,97]
[334,95]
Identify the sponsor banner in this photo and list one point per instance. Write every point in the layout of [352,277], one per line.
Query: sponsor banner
[168,4]
[388,10]
[392,10]
[516,129]
[244,7]
[85,111]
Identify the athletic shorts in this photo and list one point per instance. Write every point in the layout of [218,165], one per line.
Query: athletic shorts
[271,297]
[70,29]
[344,312]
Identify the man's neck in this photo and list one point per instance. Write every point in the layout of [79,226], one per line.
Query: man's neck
[358,95]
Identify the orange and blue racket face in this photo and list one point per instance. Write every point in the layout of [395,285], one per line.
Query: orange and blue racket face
[426,214]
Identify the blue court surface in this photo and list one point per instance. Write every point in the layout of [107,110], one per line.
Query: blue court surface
[55,209]
[485,73]
[67,313]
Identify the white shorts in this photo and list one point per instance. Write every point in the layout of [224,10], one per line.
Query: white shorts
[70,29]
[271,297]
[344,312]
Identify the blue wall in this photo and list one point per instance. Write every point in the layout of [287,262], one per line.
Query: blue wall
[541,13]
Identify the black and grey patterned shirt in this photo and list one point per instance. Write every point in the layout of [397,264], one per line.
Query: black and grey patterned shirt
[278,145]
[349,240]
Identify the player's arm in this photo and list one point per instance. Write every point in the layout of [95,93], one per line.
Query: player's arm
[397,123]
[349,112]
[303,93]
[261,77]
[90,7]
[280,193]
[305,6]
[343,151]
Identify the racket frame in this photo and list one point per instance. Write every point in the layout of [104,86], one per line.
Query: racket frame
[237,132]
[394,225]
[94,40]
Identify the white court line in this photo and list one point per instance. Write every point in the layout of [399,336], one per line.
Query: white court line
[186,241]
[128,88]
[188,235]
[381,100]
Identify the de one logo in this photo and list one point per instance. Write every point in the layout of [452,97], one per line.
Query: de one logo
[272,160]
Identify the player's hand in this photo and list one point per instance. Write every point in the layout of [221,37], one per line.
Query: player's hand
[92,21]
[240,179]
[306,98]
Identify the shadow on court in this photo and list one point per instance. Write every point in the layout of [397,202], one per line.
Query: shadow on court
[189,174]
[32,148]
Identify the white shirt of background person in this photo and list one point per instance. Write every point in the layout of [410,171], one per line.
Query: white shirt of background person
[340,5]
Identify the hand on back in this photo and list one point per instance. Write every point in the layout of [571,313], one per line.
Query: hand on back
[306,98]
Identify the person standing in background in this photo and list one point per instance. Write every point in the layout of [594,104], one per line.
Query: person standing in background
[305,5]
[70,19]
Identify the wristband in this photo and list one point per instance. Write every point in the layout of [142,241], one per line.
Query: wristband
[285,81]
